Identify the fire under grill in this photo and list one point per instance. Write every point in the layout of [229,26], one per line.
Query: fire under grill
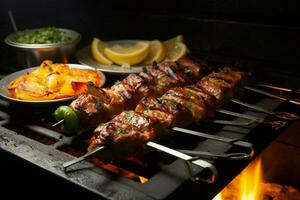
[27,133]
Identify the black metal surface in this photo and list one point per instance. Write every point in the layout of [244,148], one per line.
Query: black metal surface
[253,30]
[167,180]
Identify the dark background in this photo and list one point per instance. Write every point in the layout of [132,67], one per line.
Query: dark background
[260,31]
[261,34]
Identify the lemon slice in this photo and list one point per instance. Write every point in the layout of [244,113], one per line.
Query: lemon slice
[178,38]
[156,53]
[127,53]
[97,48]
[175,51]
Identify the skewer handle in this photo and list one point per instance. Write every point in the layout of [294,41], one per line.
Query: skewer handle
[236,142]
[229,156]
[271,95]
[275,124]
[58,123]
[81,158]
[201,163]
[281,115]
[297,91]
[232,123]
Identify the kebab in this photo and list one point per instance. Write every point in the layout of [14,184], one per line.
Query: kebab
[127,134]
[99,105]
[131,132]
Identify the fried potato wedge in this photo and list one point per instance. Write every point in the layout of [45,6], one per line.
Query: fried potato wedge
[52,81]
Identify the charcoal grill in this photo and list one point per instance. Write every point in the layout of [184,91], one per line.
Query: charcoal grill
[30,136]
[260,37]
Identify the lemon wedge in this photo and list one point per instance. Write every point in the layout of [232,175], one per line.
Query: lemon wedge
[97,48]
[156,53]
[127,53]
[175,51]
[178,38]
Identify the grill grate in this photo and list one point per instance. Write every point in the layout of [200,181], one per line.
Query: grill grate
[31,137]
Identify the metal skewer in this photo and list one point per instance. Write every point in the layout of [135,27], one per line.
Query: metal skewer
[297,91]
[204,135]
[201,163]
[81,158]
[58,123]
[232,123]
[275,124]
[204,154]
[271,95]
[282,115]
[236,142]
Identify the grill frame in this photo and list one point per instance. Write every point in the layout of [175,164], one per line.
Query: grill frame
[163,184]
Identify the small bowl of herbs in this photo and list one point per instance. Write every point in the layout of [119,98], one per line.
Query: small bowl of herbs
[48,43]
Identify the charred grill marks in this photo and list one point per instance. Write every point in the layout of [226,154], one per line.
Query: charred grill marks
[125,95]
[154,117]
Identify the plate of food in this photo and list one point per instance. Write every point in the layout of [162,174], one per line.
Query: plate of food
[49,83]
[130,56]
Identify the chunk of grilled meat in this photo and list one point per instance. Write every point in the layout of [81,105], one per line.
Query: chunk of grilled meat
[154,117]
[89,109]
[190,100]
[163,113]
[235,78]
[194,66]
[125,95]
[218,88]
[125,135]
[209,101]
[223,85]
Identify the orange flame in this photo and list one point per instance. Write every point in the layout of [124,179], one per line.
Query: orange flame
[246,186]
[251,184]
[143,179]
[120,171]
[109,167]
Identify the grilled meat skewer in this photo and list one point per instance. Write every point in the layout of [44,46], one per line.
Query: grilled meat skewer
[127,134]
[101,104]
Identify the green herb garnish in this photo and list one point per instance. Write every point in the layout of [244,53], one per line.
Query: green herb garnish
[171,103]
[173,94]
[117,82]
[121,131]
[150,106]
[129,115]
[145,69]
[188,71]
[46,35]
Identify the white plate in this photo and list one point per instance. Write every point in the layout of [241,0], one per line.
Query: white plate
[84,56]
[7,79]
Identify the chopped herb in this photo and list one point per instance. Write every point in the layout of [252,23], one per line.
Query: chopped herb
[129,115]
[172,94]
[171,103]
[117,82]
[46,35]
[155,81]
[188,71]
[145,69]
[190,94]
[121,131]
[150,106]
